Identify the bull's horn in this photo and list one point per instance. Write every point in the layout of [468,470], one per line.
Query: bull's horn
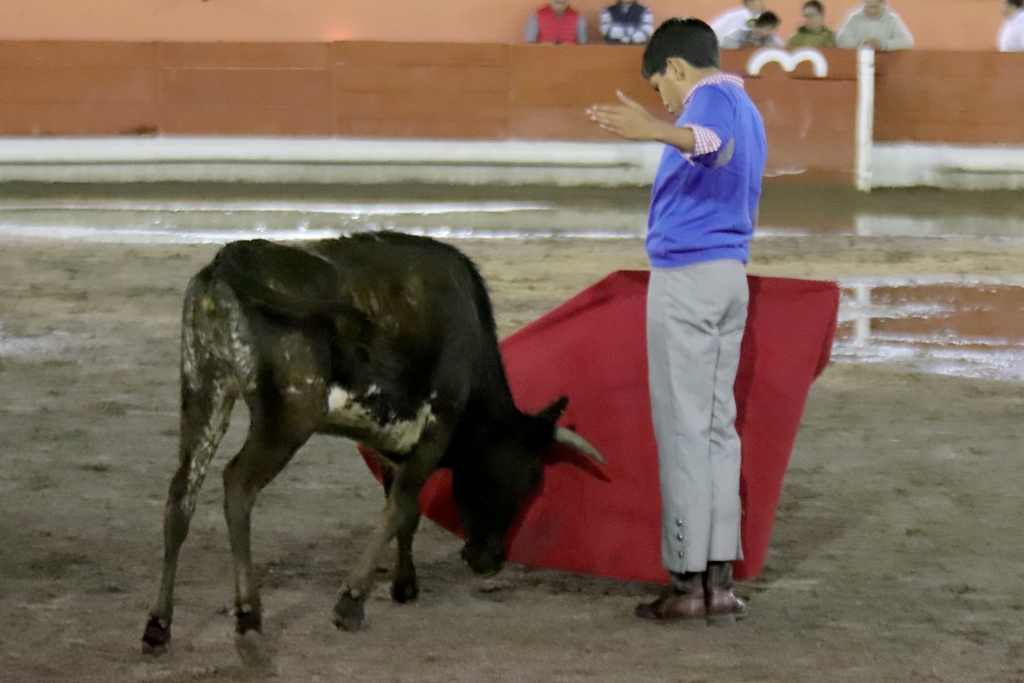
[571,438]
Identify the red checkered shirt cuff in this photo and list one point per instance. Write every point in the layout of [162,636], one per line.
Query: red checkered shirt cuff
[705,141]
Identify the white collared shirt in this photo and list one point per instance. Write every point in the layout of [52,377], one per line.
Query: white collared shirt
[1011,35]
[726,23]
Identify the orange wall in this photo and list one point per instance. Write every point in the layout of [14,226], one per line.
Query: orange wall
[480,91]
[957,97]
[936,24]
[374,89]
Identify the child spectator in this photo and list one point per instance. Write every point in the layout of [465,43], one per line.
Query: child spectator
[736,19]
[556,23]
[762,34]
[1011,35]
[876,26]
[813,33]
[626,23]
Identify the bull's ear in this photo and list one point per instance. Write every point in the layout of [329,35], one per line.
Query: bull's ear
[555,410]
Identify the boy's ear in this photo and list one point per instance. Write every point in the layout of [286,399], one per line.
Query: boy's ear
[678,67]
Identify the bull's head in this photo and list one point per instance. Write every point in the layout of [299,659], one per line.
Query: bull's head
[491,484]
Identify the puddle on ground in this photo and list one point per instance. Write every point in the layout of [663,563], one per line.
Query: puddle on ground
[962,327]
[211,221]
[881,225]
[73,233]
[22,346]
[953,326]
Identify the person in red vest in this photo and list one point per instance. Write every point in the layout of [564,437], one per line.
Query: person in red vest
[556,23]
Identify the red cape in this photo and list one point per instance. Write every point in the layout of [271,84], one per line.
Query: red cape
[606,520]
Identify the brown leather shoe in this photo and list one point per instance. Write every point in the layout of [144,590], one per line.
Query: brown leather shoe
[721,606]
[683,599]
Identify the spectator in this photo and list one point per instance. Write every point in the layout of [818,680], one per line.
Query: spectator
[876,26]
[744,17]
[556,23]
[813,33]
[761,35]
[626,23]
[1011,35]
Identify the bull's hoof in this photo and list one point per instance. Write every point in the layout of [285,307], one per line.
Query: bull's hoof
[348,613]
[482,564]
[405,590]
[156,637]
[248,619]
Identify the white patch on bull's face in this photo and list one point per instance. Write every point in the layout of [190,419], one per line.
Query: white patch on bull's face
[397,436]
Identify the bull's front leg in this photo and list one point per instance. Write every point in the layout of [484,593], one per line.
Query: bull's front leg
[400,518]
[403,586]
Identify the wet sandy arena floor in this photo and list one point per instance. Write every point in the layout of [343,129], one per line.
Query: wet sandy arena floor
[896,554]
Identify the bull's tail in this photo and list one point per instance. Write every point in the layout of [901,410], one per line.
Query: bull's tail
[216,363]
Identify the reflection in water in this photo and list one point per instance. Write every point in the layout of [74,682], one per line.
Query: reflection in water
[351,209]
[212,221]
[71,233]
[880,225]
[20,346]
[505,217]
[970,328]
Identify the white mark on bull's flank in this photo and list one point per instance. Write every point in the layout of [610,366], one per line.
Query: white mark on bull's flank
[397,436]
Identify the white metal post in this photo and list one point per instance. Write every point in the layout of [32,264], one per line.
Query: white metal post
[865,117]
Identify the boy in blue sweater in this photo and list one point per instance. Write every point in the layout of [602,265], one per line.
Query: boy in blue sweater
[702,216]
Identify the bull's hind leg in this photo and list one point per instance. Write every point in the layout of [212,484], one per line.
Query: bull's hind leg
[205,414]
[278,427]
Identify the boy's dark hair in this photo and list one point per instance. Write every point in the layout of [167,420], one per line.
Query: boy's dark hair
[767,19]
[818,7]
[1016,3]
[687,38]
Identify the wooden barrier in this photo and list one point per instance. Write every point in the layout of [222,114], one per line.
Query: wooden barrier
[951,97]
[479,91]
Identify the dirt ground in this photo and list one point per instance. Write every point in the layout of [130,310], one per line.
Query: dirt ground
[896,555]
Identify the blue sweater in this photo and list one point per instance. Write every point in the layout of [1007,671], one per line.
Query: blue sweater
[705,209]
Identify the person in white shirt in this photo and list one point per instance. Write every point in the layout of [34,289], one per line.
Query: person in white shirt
[1011,35]
[876,26]
[737,19]
[761,35]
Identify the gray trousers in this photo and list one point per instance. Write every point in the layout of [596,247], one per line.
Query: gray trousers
[695,321]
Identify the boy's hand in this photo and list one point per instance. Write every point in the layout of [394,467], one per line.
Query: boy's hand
[628,120]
